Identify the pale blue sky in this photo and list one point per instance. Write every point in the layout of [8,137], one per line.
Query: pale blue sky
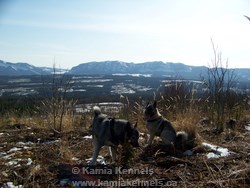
[78,31]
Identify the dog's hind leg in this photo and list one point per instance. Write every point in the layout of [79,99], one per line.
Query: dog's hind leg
[169,143]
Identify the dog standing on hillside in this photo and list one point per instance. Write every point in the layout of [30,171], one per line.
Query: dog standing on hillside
[159,126]
[111,132]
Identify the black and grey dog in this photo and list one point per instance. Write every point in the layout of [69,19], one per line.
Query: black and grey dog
[111,132]
[157,125]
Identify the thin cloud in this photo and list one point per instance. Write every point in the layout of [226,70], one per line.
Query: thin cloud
[96,27]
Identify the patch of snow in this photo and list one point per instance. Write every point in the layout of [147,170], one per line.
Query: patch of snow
[85,77]
[212,155]
[88,137]
[100,86]
[77,90]
[11,185]
[20,144]
[75,159]
[15,149]
[92,81]
[217,151]
[133,75]
[26,147]
[121,89]
[13,162]
[6,157]
[247,127]
[2,153]
[51,142]
[19,80]
[29,161]
[100,160]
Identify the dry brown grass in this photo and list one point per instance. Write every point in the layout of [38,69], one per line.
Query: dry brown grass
[189,122]
[193,171]
[69,122]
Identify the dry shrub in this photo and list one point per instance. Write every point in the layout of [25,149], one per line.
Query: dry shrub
[65,153]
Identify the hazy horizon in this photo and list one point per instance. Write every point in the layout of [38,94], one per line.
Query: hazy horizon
[69,33]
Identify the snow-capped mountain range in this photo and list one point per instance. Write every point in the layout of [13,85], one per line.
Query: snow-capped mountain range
[155,68]
[21,69]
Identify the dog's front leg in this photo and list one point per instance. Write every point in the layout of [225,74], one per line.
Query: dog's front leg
[97,147]
[150,140]
[112,151]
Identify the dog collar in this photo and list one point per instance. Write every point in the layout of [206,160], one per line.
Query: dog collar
[153,120]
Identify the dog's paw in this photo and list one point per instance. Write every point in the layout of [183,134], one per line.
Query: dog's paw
[90,163]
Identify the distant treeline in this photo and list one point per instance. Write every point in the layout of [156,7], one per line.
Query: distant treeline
[57,85]
[29,105]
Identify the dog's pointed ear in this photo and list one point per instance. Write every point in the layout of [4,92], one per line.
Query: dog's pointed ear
[147,104]
[155,104]
[135,126]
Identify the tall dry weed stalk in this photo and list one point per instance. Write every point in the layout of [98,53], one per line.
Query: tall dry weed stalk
[178,97]
[132,110]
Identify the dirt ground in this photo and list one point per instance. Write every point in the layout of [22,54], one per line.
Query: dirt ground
[36,157]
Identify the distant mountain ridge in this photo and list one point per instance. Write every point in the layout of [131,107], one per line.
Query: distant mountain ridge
[154,68]
[111,67]
[21,69]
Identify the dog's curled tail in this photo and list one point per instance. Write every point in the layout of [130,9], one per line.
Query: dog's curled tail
[96,110]
[182,135]
[181,139]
